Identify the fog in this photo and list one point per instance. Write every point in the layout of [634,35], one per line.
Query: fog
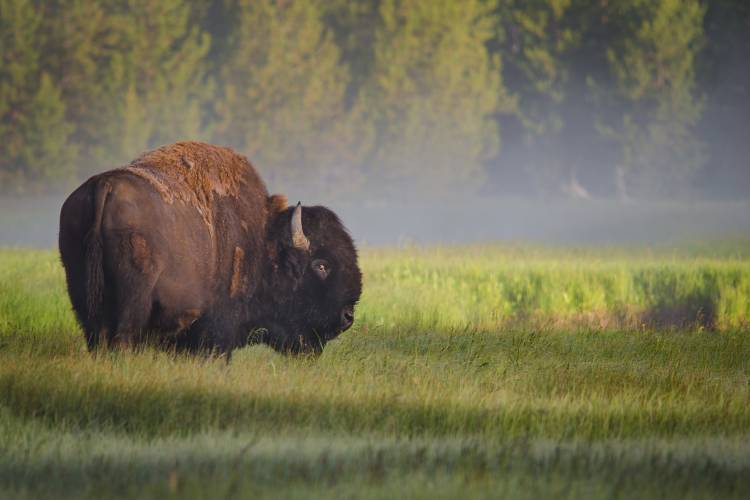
[34,223]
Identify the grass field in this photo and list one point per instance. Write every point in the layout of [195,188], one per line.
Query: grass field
[483,371]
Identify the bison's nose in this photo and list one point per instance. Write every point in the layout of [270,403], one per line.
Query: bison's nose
[347,318]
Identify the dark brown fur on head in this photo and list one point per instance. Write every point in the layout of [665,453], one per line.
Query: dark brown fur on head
[307,310]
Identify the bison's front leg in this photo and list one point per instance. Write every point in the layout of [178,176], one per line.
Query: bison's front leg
[226,331]
[215,333]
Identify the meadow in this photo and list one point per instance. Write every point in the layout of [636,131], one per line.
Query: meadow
[488,371]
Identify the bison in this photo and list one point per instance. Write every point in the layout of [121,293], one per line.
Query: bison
[185,248]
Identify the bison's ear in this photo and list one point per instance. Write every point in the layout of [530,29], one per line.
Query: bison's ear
[299,240]
[277,203]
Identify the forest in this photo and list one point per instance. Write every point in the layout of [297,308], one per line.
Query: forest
[626,99]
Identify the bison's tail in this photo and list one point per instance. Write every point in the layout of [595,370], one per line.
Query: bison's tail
[95,258]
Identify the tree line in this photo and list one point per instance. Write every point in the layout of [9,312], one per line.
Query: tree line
[627,98]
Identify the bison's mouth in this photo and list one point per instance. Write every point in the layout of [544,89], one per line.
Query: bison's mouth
[291,340]
[296,345]
[299,346]
[306,346]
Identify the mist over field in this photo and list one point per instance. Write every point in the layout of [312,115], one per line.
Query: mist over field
[34,223]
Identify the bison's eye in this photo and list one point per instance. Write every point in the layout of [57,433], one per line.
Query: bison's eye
[320,268]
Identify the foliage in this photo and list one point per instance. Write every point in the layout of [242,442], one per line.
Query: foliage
[654,67]
[33,133]
[156,83]
[431,95]
[281,91]
[540,39]
[584,98]
[607,93]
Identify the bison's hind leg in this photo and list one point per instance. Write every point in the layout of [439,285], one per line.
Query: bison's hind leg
[94,337]
[138,269]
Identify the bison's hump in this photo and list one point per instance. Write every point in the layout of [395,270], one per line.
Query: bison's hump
[192,172]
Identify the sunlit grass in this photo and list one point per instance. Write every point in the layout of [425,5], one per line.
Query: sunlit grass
[470,371]
[484,287]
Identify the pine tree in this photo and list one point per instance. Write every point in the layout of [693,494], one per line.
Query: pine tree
[353,23]
[281,92]
[154,83]
[552,49]
[431,96]
[34,149]
[654,70]
[79,45]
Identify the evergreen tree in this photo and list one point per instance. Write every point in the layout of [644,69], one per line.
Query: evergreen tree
[431,96]
[554,50]
[353,23]
[537,40]
[34,151]
[653,64]
[281,93]
[153,82]
[79,45]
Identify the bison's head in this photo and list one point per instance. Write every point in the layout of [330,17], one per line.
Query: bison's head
[315,280]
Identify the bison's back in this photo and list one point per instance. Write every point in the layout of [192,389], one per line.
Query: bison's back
[199,175]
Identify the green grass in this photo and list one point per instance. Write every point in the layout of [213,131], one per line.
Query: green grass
[489,371]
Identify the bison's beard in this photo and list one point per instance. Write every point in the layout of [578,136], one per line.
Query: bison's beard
[288,339]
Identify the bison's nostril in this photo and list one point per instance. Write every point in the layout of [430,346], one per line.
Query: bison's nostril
[347,318]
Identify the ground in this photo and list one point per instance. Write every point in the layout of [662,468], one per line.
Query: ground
[484,371]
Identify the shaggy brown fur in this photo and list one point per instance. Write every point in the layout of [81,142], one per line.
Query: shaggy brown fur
[192,172]
[238,278]
[185,245]
[277,203]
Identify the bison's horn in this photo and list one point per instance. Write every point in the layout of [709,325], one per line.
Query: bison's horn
[299,240]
